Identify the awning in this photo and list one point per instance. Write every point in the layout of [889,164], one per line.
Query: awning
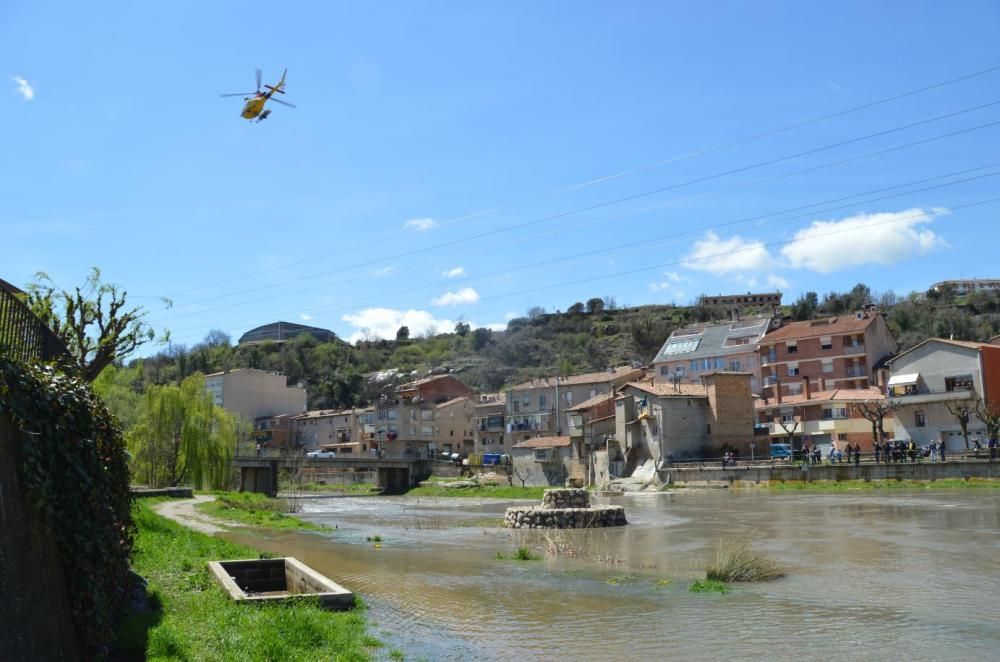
[904,380]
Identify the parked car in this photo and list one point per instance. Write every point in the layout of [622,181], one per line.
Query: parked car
[781,451]
[321,455]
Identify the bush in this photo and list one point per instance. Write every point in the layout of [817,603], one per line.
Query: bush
[736,562]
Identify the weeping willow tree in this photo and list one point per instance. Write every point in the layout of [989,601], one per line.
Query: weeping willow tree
[182,437]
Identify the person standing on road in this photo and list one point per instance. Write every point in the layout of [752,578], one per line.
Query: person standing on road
[942,445]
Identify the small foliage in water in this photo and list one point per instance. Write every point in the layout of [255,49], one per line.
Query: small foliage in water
[623,580]
[708,586]
[519,554]
[661,583]
[375,538]
[736,562]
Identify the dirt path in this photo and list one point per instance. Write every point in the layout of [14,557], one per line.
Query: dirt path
[183,512]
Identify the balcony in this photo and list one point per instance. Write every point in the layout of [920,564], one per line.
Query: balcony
[857,371]
[767,359]
[854,349]
[770,380]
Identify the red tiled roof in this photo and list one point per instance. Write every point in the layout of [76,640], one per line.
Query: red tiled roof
[592,402]
[589,378]
[453,401]
[833,395]
[681,390]
[969,344]
[543,442]
[829,326]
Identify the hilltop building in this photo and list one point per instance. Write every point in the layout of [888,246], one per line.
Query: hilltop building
[750,299]
[967,286]
[279,332]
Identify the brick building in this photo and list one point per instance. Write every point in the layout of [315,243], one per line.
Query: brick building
[820,418]
[343,431]
[406,424]
[489,415]
[833,353]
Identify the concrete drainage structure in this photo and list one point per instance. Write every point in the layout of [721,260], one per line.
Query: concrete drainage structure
[278,580]
[565,509]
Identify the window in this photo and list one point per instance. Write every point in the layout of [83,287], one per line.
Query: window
[680,346]
[795,388]
[541,401]
[516,405]
[827,365]
[920,418]
[792,347]
[664,371]
[841,436]
[694,366]
[708,428]
[834,412]
[569,397]
[720,363]
[793,369]
[958,383]
[734,366]
[826,342]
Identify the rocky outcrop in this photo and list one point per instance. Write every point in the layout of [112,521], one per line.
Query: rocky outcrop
[565,509]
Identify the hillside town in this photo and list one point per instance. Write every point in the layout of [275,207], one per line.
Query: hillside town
[714,390]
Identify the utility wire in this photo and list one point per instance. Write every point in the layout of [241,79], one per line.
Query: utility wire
[600,205]
[625,173]
[675,238]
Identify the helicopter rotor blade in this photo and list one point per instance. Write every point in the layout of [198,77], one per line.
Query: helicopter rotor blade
[258,72]
[239,94]
[283,103]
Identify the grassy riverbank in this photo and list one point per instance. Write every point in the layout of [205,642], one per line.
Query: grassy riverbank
[194,620]
[255,510]
[488,491]
[848,485]
[324,488]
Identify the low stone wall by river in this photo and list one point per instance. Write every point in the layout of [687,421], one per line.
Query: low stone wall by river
[565,509]
[754,474]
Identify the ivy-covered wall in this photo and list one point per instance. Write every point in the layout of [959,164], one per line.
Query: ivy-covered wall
[72,486]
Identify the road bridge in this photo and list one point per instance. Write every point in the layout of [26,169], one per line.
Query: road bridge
[260,474]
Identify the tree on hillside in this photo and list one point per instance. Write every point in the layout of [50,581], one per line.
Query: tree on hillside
[463,328]
[481,338]
[576,309]
[402,334]
[535,312]
[962,410]
[805,306]
[595,305]
[182,437]
[875,411]
[610,303]
[121,390]
[94,321]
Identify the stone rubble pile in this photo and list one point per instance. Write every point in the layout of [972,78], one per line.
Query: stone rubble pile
[565,509]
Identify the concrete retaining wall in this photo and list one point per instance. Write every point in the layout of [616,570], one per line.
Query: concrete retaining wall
[763,474]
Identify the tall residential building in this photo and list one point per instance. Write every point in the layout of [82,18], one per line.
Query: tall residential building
[343,431]
[828,417]
[255,393]
[489,428]
[454,424]
[697,350]
[538,408]
[406,424]
[833,353]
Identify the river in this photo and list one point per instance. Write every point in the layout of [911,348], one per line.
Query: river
[870,575]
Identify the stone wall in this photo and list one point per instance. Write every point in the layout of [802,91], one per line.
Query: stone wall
[565,509]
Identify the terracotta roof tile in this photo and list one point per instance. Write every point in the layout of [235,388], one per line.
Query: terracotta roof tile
[592,402]
[588,378]
[829,326]
[682,390]
[817,397]
[543,442]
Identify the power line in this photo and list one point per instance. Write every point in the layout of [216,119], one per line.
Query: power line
[676,237]
[600,205]
[630,171]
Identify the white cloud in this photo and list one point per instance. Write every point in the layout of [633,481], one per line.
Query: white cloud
[463,295]
[23,88]
[669,282]
[420,224]
[777,282]
[453,273]
[728,256]
[511,316]
[384,271]
[885,238]
[305,316]
[384,322]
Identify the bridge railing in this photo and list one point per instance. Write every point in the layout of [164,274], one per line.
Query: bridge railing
[22,334]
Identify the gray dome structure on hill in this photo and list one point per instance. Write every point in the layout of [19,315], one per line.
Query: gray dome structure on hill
[283,331]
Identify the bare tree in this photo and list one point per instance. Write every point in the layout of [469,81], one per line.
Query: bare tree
[790,428]
[989,413]
[522,472]
[875,411]
[962,410]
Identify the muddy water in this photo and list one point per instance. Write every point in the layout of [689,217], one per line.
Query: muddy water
[870,576]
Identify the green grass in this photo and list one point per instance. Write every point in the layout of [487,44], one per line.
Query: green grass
[662,583]
[735,561]
[519,554]
[906,484]
[255,510]
[375,538]
[708,586]
[197,621]
[497,492]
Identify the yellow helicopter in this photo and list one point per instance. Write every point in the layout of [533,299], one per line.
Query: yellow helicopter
[254,106]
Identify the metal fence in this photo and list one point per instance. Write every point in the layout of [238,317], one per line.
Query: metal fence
[22,335]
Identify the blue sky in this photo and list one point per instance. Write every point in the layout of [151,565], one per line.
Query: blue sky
[444,158]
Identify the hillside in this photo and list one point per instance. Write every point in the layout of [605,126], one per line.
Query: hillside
[585,338]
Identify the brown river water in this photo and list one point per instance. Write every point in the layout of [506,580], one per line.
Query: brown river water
[870,575]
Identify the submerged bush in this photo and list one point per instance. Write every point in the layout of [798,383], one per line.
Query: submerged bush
[736,562]
[708,586]
[519,554]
